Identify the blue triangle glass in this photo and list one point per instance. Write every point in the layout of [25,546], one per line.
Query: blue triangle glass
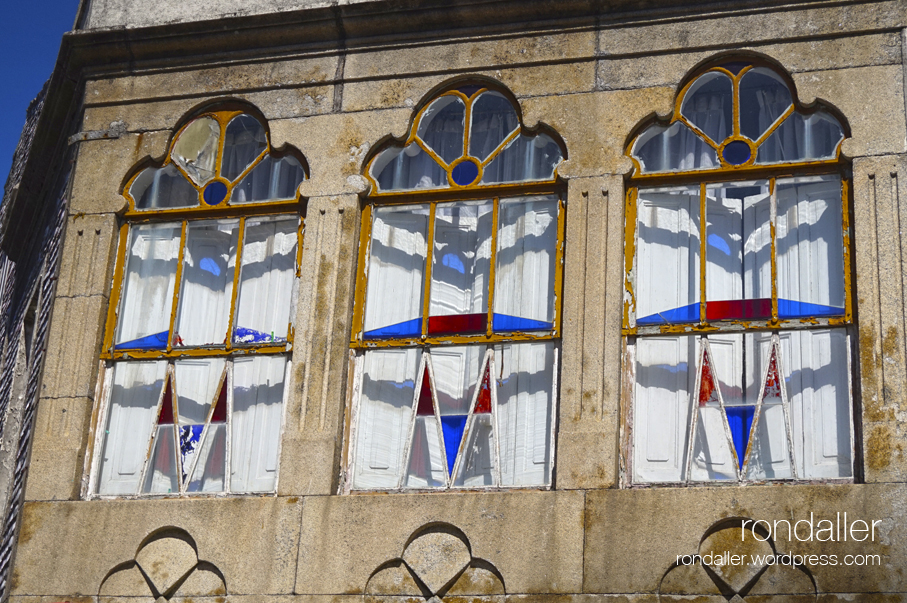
[452,427]
[158,341]
[792,309]
[505,322]
[740,419]
[401,329]
[688,313]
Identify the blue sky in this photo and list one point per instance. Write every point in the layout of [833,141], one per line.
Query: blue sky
[30,33]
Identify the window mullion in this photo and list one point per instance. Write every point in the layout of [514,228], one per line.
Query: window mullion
[236,276]
[228,450]
[116,293]
[702,261]
[426,289]
[489,325]
[773,215]
[176,286]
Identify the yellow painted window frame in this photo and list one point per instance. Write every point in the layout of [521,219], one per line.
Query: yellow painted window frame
[730,173]
[185,215]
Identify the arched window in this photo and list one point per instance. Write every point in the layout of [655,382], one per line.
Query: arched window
[200,319]
[457,314]
[738,295]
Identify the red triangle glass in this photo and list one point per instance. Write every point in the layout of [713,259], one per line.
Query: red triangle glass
[483,403]
[166,415]
[425,407]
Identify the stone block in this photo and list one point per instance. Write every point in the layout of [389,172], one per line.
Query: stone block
[58,450]
[534,539]
[165,562]
[88,256]
[164,114]
[588,459]
[475,54]
[870,98]
[669,69]
[736,30]
[540,80]
[253,541]
[671,522]
[103,166]
[336,146]
[212,81]
[73,345]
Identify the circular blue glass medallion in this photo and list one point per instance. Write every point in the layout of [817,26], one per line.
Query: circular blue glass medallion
[736,152]
[465,173]
[214,193]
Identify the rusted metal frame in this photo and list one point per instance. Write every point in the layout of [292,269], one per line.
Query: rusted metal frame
[772,225]
[736,326]
[848,283]
[552,448]
[745,172]
[429,256]
[184,483]
[201,351]
[497,151]
[356,362]
[785,404]
[300,233]
[287,387]
[694,412]
[725,423]
[469,192]
[237,274]
[365,238]
[853,443]
[154,427]
[119,271]
[492,266]
[771,130]
[228,441]
[280,206]
[467,130]
[470,415]
[177,449]
[98,430]
[757,413]
[630,230]
[626,461]
[497,473]
[735,101]
[502,337]
[559,265]
[177,282]
[703,236]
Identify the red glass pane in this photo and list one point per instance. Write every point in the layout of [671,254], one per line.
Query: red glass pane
[425,406]
[457,323]
[166,416]
[220,407]
[773,379]
[483,403]
[738,308]
[708,389]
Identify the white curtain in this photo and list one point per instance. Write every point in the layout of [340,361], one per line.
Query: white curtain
[258,388]
[149,281]
[134,395]
[209,262]
[460,260]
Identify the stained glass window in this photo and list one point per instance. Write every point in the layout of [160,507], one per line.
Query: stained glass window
[738,316]
[200,320]
[457,317]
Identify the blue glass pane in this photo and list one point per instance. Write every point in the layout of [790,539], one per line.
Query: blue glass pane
[736,152]
[244,335]
[465,173]
[401,329]
[792,309]
[505,322]
[190,436]
[740,419]
[452,426]
[214,193]
[158,341]
[688,313]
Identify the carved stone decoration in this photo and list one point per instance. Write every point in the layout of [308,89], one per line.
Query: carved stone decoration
[737,563]
[166,565]
[436,562]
